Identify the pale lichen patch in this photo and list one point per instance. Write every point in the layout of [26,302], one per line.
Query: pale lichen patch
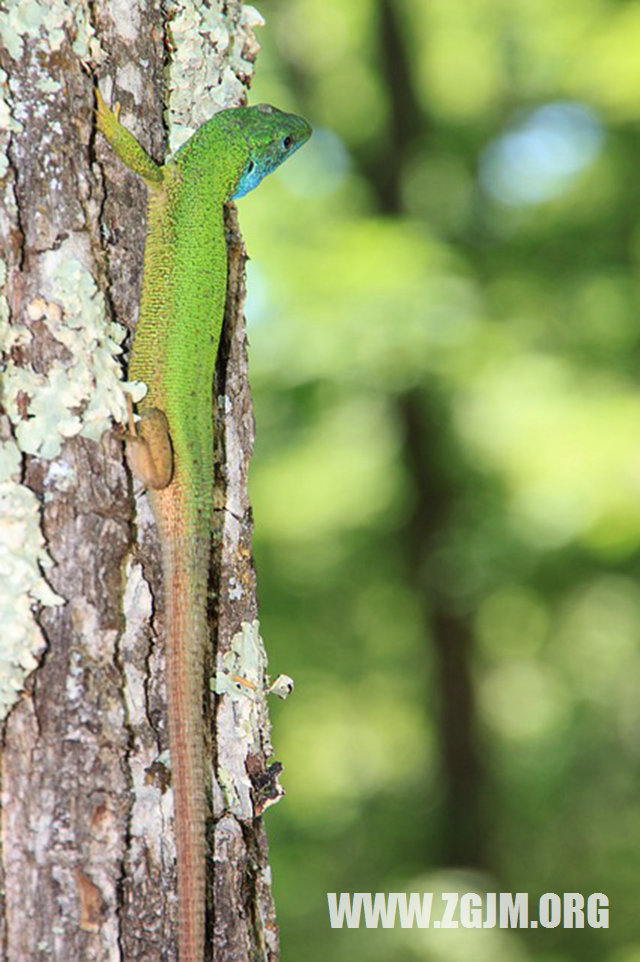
[7,120]
[8,124]
[207,69]
[23,559]
[80,394]
[47,85]
[59,477]
[151,806]
[243,666]
[51,21]
[250,17]
[243,685]
[10,460]
[130,78]
[126,17]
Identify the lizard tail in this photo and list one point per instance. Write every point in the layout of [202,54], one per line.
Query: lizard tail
[185,570]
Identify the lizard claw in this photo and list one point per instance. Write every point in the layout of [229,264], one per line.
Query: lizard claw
[132,431]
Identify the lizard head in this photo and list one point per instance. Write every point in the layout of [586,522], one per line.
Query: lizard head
[271,136]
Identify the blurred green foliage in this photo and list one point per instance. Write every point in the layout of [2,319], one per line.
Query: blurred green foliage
[443,316]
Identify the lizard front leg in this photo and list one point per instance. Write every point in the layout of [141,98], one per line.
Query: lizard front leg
[125,144]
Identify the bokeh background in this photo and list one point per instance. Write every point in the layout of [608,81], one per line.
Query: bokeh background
[444,321]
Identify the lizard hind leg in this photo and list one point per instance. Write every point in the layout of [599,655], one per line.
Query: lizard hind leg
[148,447]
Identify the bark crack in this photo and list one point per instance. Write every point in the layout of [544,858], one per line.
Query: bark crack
[121,881]
[18,237]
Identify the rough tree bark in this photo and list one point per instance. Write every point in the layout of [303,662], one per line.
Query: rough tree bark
[87,850]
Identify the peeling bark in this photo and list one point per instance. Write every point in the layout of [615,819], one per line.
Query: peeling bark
[88,858]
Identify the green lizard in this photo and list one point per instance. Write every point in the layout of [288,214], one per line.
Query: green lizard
[170,448]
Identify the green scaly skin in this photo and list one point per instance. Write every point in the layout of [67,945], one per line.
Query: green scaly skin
[174,353]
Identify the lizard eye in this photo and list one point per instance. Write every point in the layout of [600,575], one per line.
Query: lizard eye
[286,143]
[250,166]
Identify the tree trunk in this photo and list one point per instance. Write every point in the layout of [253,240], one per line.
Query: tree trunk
[88,857]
